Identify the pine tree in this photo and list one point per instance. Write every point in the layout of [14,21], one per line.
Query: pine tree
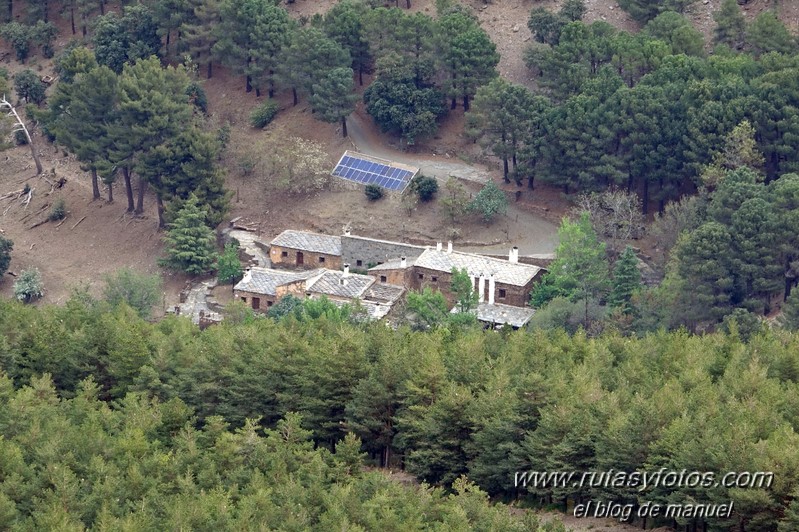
[86,109]
[790,312]
[344,23]
[190,244]
[200,33]
[730,24]
[503,113]
[767,33]
[626,281]
[153,108]
[580,270]
[334,97]
[307,59]
[703,264]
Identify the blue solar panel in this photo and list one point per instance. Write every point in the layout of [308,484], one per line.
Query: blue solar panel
[363,171]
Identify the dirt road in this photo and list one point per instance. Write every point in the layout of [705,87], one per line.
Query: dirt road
[531,233]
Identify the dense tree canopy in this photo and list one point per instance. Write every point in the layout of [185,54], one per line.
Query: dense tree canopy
[187,415]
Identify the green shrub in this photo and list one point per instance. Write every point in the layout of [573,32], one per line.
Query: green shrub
[229,265]
[197,96]
[264,114]
[373,192]
[139,290]
[20,137]
[425,187]
[58,211]
[6,245]
[28,286]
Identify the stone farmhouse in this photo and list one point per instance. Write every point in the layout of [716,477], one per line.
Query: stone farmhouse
[313,265]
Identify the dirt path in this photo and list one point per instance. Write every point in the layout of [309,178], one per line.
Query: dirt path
[366,139]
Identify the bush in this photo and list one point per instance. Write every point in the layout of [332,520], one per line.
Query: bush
[28,286]
[6,245]
[264,114]
[58,211]
[229,265]
[373,192]
[20,138]
[197,96]
[425,187]
[139,290]
[490,201]
[29,87]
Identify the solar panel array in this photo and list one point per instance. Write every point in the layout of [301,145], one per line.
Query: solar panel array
[365,172]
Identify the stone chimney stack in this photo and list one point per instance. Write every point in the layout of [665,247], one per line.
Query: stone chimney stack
[403,262]
[449,246]
[438,246]
[491,289]
[346,270]
[514,254]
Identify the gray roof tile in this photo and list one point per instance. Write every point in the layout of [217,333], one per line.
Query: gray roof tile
[500,314]
[330,283]
[312,242]
[383,293]
[266,280]
[505,272]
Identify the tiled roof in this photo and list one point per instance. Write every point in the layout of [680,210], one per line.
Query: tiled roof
[394,264]
[499,314]
[330,283]
[505,272]
[375,311]
[266,280]
[312,242]
[379,241]
[383,293]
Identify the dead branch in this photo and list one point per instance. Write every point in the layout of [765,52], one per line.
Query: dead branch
[30,215]
[16,193]
[37,224]
[32,246]
[76,223]
[62,221]
[30,195]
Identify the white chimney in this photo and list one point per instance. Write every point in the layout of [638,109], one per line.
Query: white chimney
[491,288]
[346,232]
[403,263]
[438,246]
[346,270]
[481,288]
[449,246]
[514,255]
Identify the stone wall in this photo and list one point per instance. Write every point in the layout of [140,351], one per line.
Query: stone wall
[286,258]
[360,252]
[249,298]
[399,277]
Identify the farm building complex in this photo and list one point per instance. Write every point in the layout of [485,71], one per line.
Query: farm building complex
[306,264]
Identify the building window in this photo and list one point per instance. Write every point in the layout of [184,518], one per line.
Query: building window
[284,254]
[382,278]
[502,293]
[359,263]
[270,303]
[321,260]
[243,299]
[256,303]
[434,279]
[421,276]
